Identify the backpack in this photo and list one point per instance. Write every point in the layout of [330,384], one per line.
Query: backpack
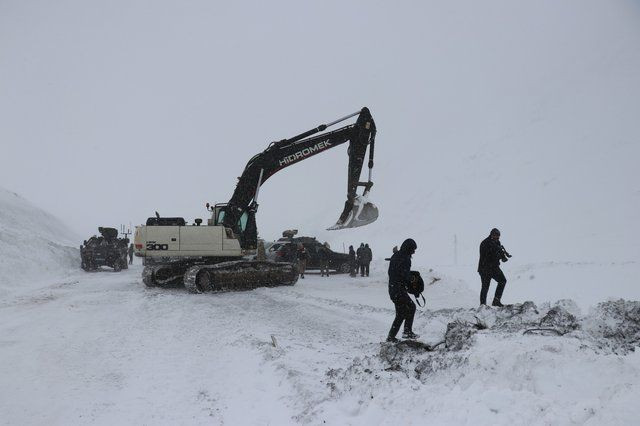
[416,287]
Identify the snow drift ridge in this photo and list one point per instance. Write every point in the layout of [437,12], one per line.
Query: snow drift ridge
[34,245]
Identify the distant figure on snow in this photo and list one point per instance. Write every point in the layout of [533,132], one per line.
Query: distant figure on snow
[352,262]
[130,254]
[360,255]
[291,253]
[302,259]
[395,250]
[399,280]
[323,256]
[368,256]
[491,252]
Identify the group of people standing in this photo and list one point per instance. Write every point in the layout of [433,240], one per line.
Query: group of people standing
[360,260]
[303,256]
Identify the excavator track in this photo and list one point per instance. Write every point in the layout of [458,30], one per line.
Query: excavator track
[239,275]
[162,275]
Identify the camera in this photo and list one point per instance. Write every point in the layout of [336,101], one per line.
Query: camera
[504,253]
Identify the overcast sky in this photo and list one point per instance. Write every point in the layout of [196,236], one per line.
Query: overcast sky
[111,110]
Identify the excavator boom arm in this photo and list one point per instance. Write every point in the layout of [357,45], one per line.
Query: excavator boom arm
[287,152]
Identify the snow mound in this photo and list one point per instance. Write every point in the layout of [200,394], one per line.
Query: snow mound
[521,364]
[34,245]
[616,325]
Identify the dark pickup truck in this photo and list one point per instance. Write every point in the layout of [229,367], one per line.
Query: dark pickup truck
[284,250]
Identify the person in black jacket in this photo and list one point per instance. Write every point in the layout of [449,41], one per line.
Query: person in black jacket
[323,257]
[399,278]
[352,262]
[302,259]
[360,256]
[368,257]
[491,253]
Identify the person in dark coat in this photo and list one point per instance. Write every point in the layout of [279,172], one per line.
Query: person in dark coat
[399,279]
[323,257]
[302,259]
[291,253]
[360,254]
[352,261]
[491,252]
[130,251]
[368,256]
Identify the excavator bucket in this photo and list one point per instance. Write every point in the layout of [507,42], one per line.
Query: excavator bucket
[358,213]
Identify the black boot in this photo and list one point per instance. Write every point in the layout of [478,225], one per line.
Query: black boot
[392,339]
[496,302]
[409,335]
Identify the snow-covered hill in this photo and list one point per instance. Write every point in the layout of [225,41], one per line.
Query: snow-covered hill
[34,245]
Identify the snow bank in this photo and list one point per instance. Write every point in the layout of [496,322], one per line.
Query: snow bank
[519,365]
[34,245]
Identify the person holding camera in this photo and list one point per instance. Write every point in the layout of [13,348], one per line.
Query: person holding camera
[399,279]
[491,253]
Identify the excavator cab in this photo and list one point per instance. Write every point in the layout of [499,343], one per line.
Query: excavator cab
[219,211]
[245,229]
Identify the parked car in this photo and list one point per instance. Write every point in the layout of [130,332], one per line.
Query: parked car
[284,250]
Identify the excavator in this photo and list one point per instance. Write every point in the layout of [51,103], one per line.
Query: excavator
[221,255]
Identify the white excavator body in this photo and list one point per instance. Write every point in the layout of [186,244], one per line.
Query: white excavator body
[186,241]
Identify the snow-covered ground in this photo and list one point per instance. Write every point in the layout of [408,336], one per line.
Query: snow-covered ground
[101,348]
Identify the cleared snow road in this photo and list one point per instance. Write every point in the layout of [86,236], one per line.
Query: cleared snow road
[101,348]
